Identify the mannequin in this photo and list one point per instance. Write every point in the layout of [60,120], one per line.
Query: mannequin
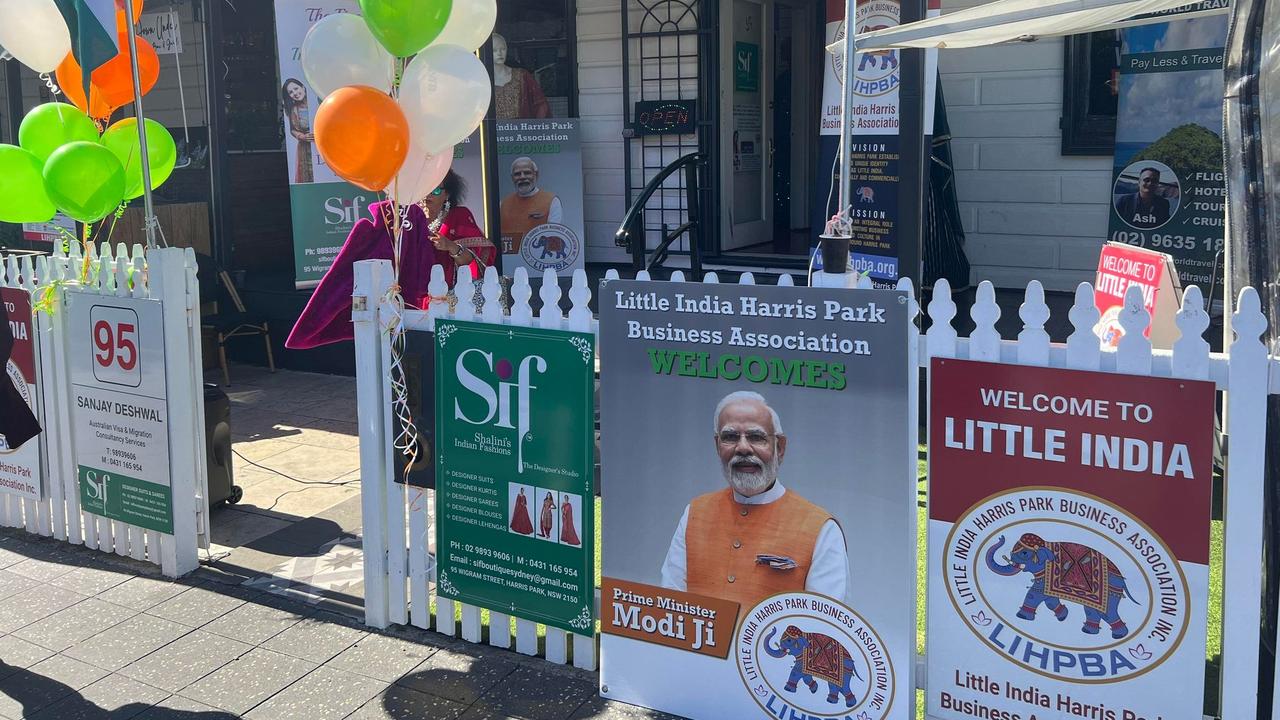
[516,90]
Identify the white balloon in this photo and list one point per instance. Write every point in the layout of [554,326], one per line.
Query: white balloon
[421,173]
[340,51]
[444,93]
[470,24]
[34,33]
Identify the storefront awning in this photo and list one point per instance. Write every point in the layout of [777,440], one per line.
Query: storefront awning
[1021,20]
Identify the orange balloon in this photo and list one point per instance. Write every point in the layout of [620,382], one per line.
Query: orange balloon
[363,136]
[111,85]
[120,8]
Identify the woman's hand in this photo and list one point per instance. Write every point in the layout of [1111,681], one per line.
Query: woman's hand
[455,251]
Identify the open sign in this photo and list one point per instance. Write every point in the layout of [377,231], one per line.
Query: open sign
[665,117]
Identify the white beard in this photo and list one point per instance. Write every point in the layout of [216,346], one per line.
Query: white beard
[748,484]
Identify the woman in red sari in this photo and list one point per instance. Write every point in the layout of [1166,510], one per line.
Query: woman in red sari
[436,231]
[520,521]
[568,533]
[547,517]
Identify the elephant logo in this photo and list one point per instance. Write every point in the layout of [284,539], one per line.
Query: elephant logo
[550,246]
[877,70]
[1065,572]
[805,655]
[817,657]
[1066,585]
[866,194]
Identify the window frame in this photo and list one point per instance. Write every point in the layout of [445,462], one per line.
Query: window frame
[1082,133]
[570,40]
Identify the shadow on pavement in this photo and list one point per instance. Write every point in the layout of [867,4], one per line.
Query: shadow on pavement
[42,697]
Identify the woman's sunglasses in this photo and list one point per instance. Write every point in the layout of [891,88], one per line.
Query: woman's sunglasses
[437,192]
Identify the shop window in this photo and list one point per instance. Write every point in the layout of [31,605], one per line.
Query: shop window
[1090,87]
[540,50]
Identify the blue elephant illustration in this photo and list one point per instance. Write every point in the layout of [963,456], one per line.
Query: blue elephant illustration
[550,245]
[1062,572]
[816,655]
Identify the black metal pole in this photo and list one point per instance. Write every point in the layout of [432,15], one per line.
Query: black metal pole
[912,154]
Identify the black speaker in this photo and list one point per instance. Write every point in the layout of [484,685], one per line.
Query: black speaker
[217,438]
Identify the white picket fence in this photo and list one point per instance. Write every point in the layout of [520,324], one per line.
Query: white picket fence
[168,275]
[397,527]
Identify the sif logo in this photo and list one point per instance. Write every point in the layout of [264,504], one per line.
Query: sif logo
[489,395]
[343,211]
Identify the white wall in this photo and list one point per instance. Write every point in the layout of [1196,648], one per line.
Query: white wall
[600,105]
[1029,211]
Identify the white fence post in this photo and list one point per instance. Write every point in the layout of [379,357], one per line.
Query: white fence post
[372,280]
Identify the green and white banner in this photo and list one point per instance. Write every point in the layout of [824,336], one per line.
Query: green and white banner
[1169,184]
[515,475]
[120,409]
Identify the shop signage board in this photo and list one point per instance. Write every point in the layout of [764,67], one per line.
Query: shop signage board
[120,409]
[515,471]
[746,67]
[163,30]
[57,229]
[541,187]
[323,207]
[1121,266]
[1068,543]
[875,153]
[800,600]
[664,117]
[1169,185]
[21,444]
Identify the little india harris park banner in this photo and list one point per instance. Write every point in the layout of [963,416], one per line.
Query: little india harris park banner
[20,447]
[760,501]
[1169,185]
[515,471]
[1068,543]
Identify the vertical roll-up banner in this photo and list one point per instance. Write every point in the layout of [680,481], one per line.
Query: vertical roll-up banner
[875,151]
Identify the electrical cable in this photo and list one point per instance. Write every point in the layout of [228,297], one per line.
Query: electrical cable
[313,483]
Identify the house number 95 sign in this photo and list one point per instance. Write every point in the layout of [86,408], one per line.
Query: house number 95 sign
[120,409]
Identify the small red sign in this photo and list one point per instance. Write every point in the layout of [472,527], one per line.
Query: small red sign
[1119,267]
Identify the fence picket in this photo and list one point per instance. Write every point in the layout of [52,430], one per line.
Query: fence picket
[1133,356]
[1083,350]
[420,512]
[785,280]
[52,524]
[1191,351]
[1033,341]
[984,342]
[941,336]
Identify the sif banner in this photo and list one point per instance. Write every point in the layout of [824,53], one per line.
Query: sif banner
[1068,543]
[1169,186]
[760,527]
[875,153]
[324,208]
[515,471]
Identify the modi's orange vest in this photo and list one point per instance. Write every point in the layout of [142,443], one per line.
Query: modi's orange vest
[522,214]
[723,537]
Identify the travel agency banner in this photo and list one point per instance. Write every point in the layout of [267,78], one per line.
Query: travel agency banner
[760,501]
[515,471]
[20,449]
[1068,543]
[875,153]
[324,208]
[1169,188]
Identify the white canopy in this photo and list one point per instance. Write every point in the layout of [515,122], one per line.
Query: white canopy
[1010,20]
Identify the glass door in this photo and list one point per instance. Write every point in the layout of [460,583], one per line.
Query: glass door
[747,142]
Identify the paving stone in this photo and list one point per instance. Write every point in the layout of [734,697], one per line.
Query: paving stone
[128,642]
[318,638]
[257,620]
[325,694]
[401,703]
[598,708]
[249,680]
[382,657]
[112,698]
[18,654]
[537,695]
[186,660]
[459,674]
[41,569]
[91,579]
[34,604]
[143,593]
[197,606]
[11,584]
[9,557]
[25,692]
[75,624]
[176,707]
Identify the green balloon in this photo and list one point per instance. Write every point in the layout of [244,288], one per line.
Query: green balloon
[162,153]
[51,125]
[85,180]
[404,27]
[22,195]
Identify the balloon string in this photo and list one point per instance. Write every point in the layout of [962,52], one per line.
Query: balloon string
[406,440]
[49,83]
